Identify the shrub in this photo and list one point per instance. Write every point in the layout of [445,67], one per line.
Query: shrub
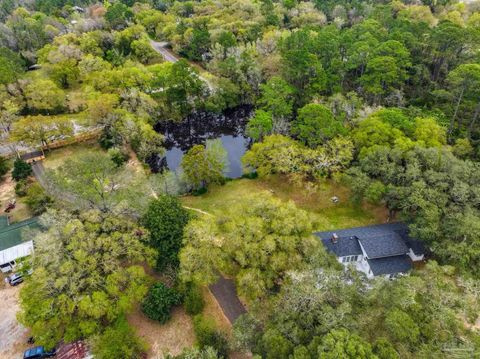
[4,167]
[208,336]
[21,187]
[193,300]
[21,170]
[195,353]
[118,156]
[200,191]
[159,301]
[402,327]
[118,341]
[37,199]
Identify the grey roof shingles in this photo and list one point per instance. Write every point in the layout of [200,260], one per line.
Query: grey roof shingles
[417,246]
[390,265]
[345,246]
[383,245]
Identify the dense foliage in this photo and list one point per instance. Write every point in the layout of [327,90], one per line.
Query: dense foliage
[209,337]
[86,275]
[338,315]
[118,341]
[159,302]
[4,167]
[258,242]
[382,95]
[165,219]
[21,170]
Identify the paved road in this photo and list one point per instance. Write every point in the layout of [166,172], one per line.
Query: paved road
[161,48]
[225,293]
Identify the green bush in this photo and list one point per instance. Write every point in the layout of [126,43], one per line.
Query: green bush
[4,167]
[200,191]
[250,175]
[21,188]
[118,156]
[208,336]
[37,199]
[21,170]
[193,299]
[118,341]
[159,302]
[195,353]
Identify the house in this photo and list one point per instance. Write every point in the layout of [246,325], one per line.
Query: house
[378,250]
[12,243]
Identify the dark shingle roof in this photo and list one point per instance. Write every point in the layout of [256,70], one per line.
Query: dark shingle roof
[390,265]
[387,244]
[345,246]
[30,155]
[417,246]
[398,228]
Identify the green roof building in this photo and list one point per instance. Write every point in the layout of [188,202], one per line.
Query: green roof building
[13,241]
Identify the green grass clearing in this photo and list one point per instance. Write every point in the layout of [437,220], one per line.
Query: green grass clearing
[317,202]
[55,158]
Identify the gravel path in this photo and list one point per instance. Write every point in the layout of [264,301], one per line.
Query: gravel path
[13,336]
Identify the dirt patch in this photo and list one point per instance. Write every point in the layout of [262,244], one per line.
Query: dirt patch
[171,337]
[13,338]
[7,193]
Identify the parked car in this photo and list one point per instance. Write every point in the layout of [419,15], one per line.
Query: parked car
[38,352]
[7,267]
[15,279]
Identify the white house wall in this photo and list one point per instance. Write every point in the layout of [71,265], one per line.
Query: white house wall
[13,253]
[360,265]
[414,257]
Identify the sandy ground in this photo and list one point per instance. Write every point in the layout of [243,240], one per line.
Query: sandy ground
[13,336]
[171,337]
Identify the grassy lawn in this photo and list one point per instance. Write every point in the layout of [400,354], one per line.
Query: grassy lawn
[55,158]
[325,214]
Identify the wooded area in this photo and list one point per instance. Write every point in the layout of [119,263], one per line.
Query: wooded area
[374,102]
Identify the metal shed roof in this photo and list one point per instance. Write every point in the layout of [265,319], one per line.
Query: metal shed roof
[11,235]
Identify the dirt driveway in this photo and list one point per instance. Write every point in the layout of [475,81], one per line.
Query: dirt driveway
[13,337]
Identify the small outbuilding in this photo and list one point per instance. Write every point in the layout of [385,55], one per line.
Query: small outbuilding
[33,156]
[13,245]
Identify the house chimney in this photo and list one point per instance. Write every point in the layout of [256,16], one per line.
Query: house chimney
[334,238]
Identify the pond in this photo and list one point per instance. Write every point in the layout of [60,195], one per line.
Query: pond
[201,126]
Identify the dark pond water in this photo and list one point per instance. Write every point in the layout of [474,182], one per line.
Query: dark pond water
[199,127]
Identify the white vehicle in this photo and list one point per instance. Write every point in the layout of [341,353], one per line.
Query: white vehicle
[8,267]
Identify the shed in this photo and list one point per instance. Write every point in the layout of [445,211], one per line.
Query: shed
[33,156]
[12,242]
